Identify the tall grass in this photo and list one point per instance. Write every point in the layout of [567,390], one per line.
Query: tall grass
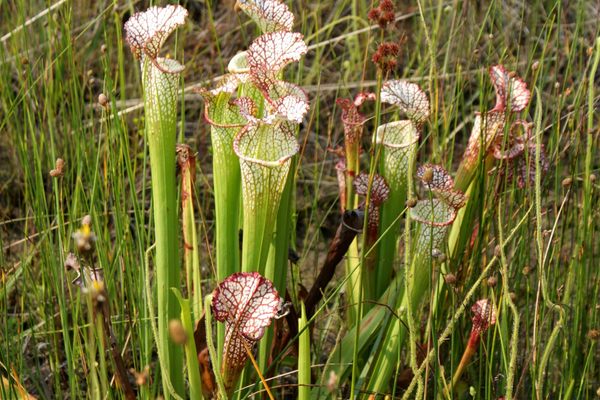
[533,251]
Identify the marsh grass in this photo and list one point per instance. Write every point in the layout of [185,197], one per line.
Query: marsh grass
[53,69]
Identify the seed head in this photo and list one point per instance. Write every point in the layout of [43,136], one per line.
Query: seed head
[103,100]
[492,281]
[84,238]
[593,335]
[384,14]
[177,332]
[332,382]
[410,203]
[386,56]
[58,170]
[141,378]
[427,175]
[450,279]
[567,182]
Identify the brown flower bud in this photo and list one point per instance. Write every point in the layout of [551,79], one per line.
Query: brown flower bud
[567,182]
[177,332]
[410,203]
[58,168]
[103,100]
[141,378]
[428,175]
[492,281]
[592,178]
[450,279]
[103,49]
[535,66]
[332,382]
[498,251]
[593,334]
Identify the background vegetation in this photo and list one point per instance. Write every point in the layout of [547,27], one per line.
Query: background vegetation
[56,59]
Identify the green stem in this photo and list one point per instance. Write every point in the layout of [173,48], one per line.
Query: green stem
[303,357]
[514,339]
[540,252]
[191,355]
[160,104]
[222,393]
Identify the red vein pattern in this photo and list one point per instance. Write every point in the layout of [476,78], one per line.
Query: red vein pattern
[512,90]
[147,31]
[246,302]
[408,97]
[269,15]
[442,185]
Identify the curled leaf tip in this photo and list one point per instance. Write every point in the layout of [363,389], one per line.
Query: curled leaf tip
[239,63]
[510,89]
[352,118]
[408,97]
[484,315]
[270,15]
[246,302]
[271,52]
[146,31]
[379,188]
[288,101]
[249,301]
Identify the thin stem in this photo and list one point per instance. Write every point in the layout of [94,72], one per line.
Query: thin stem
[164,374]
[260,375]
[222,394]
[514,339]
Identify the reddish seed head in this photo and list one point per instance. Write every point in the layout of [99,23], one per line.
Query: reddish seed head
[385,56]
[386,5]
[383,14]
[374,14]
